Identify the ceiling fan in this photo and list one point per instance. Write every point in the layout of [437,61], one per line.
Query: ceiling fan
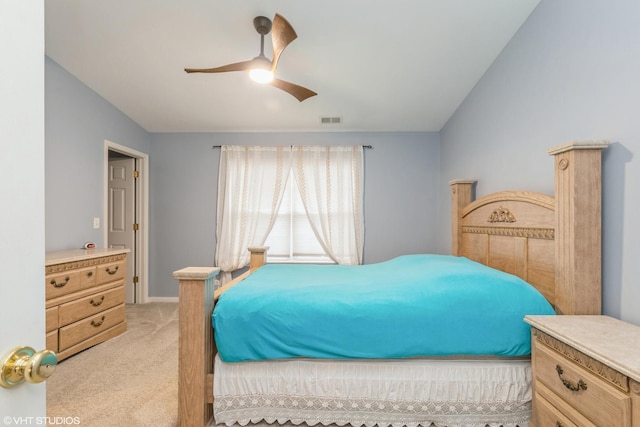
[260,68]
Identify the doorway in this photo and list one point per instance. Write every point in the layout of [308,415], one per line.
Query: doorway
[125,213]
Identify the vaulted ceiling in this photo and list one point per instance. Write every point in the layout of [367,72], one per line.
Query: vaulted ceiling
[378,65]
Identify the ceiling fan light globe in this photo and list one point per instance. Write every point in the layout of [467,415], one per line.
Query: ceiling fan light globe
[260,75]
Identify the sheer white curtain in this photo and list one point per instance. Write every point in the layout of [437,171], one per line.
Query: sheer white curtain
[251,181]
[330,180]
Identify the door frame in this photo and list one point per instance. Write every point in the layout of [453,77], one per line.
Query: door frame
[142,213]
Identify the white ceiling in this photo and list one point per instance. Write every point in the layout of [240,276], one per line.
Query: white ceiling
[380,65]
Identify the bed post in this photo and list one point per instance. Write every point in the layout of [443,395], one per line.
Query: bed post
[578,175]
[461,196]
[258,256]
[195,345]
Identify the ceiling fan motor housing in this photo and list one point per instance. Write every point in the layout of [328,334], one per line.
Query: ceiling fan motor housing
[262,24]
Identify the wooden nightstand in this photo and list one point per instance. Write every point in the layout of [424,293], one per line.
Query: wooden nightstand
[586,372]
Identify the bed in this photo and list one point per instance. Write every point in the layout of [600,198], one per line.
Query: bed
[551,243]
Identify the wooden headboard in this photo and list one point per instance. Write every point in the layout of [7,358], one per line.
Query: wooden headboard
[554,243]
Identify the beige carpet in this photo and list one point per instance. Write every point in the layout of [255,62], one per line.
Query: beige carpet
[131,380]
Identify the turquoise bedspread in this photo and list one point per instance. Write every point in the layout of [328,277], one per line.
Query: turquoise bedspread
[410,306]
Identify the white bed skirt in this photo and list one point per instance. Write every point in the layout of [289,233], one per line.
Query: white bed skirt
[414,392]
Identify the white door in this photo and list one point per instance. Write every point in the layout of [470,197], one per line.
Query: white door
[122,215]
[22,214]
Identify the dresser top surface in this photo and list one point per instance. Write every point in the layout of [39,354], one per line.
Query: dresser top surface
[61,257]
[611,341]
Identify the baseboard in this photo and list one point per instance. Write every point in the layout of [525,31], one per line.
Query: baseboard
[162,299]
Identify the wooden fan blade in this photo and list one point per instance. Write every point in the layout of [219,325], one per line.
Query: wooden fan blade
[299,92]
[282,33]
[238,66]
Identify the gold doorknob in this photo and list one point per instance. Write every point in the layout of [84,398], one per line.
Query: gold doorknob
[25,364]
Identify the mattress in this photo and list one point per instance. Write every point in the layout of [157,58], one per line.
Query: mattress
[410,306]
[410,392]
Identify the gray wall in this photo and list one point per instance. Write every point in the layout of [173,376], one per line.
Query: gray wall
[401,171]
[570,73]
[77,121]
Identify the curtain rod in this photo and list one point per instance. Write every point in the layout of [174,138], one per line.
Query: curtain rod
[220,146]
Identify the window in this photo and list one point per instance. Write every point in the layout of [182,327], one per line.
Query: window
[251,184]
[292,239]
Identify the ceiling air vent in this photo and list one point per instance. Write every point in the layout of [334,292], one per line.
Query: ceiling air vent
[331,120]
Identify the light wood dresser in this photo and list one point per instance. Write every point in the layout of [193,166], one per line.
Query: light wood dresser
[85,298]
[586,372]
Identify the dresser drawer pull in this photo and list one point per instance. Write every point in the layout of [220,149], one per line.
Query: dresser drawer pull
[98,323]
[559,424]
[97,303]
[90,273]
[59,285]
[580,386]
[109,271]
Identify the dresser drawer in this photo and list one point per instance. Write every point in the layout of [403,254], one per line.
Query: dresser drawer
[111,272]
[546,414]
[52,319]
[59,284]
[90,305]
[52,341]
[597,400]
[550,410]
[83,329]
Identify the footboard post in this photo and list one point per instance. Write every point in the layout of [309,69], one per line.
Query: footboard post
[461,196]
[195,344]
[258,256]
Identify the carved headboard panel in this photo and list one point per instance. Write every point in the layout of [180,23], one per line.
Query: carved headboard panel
[513,232]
